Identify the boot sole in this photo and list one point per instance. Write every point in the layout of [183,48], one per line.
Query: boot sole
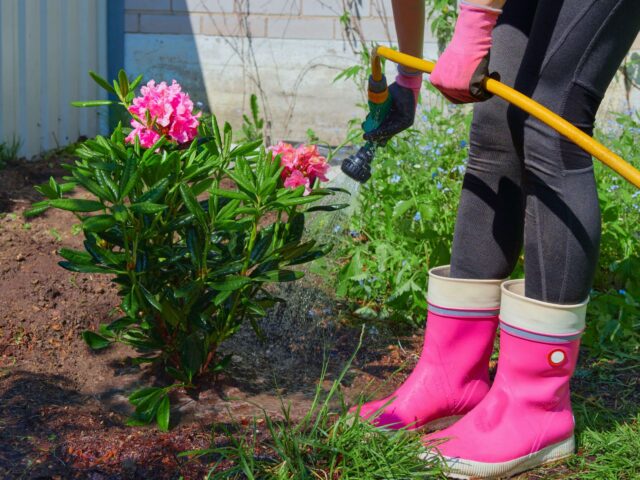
[468,469]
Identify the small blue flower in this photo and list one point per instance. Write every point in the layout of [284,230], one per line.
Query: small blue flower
[622,292]
[395,178]
[460,169]
[438,151]
[434,175]
[361,282]
[404,263]
[354,233]
[449,131]
[439,186]
[337,229]
[635,195]
[463,143]
[417,217]
[399,163]
[613,188]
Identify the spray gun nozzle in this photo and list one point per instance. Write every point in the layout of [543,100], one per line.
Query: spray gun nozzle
[358,166]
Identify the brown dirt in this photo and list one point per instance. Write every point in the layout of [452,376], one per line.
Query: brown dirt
[63,407]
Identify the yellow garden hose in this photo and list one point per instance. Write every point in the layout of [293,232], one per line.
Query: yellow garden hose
[533,108]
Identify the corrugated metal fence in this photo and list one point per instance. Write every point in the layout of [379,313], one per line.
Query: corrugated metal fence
[46,49]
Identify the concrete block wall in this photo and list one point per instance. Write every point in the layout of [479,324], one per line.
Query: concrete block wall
[287,51]
[290,19]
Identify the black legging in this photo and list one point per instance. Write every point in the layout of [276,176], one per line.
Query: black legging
[524,180]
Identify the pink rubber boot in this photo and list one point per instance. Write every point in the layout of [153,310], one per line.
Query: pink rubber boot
[526,419]
[452,375]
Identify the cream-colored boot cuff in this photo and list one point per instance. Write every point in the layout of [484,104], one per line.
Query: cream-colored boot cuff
[460,293]
[540,317]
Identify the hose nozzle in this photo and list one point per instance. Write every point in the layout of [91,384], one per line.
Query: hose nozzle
[358,166]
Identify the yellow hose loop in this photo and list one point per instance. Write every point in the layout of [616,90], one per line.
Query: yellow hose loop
[533,108]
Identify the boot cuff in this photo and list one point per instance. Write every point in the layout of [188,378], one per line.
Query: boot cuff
[539,317]
[459,293]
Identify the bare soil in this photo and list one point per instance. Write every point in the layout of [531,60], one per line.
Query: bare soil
[63,407]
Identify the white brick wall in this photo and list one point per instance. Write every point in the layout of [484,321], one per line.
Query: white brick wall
[283,19]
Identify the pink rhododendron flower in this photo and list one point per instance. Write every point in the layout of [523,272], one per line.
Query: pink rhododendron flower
[163,110]
[302,165]
[297,179]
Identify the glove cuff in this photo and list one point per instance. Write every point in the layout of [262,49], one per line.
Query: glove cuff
[480,7]
[409,80]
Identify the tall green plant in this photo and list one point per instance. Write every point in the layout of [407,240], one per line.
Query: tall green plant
[443,15]
[191,234]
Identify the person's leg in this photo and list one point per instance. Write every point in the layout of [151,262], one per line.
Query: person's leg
[452,375]
[489,227]
[526,419]
[562,226]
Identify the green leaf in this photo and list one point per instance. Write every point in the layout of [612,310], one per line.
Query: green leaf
[172,314]
[296,227]
[92,103]
[234,282]
[193,354]
[49,189]
[98,223]
[123,82]
[105,181]
[76,256]
[95,341]
[261,247]
[402,207]
[156,191]
[192,205]
[129,177]
[37,209]
[76,205]
[135,82]
[327,208]
[101,81]
[147,207]
[150,298]
[162,415]
[281,276]
[245,148]
[292,201]
[120,213]
[229,194]
[72,267]
[143,394]
[202,186]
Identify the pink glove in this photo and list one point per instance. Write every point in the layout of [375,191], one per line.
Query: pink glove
[465,62]
[410,80]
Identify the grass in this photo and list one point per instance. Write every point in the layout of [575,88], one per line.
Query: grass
[328,443]
[9,151]
[607,409]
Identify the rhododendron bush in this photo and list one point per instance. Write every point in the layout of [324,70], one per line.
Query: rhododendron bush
[190,227]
